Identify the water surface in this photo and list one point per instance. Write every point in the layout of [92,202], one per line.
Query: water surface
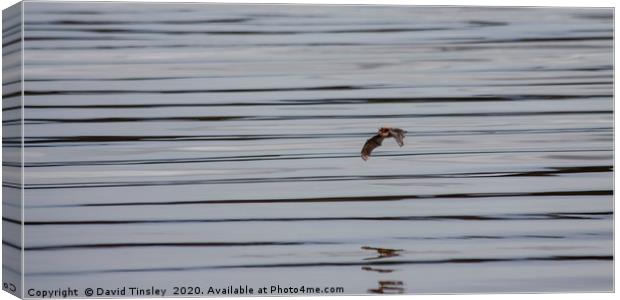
[214,145]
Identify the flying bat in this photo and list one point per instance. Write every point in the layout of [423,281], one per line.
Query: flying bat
[375,141]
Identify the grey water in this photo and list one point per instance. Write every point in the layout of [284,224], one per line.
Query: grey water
[215,145]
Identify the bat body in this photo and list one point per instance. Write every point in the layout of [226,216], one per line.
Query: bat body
[384,132]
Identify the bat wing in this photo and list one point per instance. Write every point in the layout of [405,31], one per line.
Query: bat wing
[370,145]
[399,135]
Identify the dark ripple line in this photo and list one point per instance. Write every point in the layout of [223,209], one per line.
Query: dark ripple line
[237,32]
[16,49]
[290,118]
[599,16]
[267,157]
[281,89]
[101,139]
[297,44]
[185,77]
[247,45]
[15,41]
[342,264]
[552,172]
[116,22]
[31,38]
[554,83]
[540,39]
[249,90]
[13,28]
[77,12]
[325,101]
[499,217]
[455,41]
[487,237]
[182,244]
[244,19]
[343,199]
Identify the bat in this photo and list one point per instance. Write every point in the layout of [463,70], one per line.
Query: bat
[375,141]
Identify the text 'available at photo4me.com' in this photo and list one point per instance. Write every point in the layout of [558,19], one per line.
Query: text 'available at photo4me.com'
[152,291]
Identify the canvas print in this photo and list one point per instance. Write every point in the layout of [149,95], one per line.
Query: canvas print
[209,150]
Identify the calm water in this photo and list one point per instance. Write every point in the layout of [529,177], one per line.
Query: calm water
[215,145]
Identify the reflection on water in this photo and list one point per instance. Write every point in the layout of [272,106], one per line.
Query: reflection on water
[377,270]
[382,252]
[220,145]
[388,287]
[385,286]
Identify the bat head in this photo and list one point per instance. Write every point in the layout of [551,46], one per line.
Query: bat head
[384,131]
